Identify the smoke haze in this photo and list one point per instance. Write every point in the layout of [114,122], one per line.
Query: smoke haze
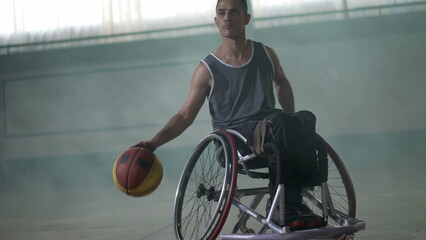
[67,114]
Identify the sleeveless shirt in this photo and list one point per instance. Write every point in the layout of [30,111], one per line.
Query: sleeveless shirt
[241,94]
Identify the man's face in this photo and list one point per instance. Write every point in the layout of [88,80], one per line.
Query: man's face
[230,18]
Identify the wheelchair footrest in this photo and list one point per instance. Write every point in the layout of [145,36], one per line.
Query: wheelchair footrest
[318,233]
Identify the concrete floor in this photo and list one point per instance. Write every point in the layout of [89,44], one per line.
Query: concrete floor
[391,203]
[390,199]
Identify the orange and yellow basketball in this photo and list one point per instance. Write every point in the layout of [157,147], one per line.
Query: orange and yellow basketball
[137,172]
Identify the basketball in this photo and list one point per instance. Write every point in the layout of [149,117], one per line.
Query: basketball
[137,172]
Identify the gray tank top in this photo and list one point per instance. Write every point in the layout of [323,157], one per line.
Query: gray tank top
[241,94]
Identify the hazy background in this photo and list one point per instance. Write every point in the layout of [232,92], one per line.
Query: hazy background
[66,114]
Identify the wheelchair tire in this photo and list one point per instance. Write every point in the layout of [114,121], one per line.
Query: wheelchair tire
[206,188]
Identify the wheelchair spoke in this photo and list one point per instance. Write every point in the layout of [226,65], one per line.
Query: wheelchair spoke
[202,190]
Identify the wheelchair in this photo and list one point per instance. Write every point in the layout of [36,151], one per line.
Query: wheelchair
[208,189]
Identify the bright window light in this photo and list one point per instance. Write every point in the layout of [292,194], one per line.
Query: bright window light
[41,15]
[17,16]
[29,21]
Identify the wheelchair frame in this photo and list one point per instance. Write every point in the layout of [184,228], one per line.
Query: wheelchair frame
[208,188]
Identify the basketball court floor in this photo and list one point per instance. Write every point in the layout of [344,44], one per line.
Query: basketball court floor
[391,200]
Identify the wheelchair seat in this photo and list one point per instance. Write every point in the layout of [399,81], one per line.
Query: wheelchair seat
[253,162]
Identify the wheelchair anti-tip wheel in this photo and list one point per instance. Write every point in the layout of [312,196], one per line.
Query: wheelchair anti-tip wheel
[206,188]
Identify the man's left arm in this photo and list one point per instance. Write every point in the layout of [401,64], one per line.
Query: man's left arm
[283,89]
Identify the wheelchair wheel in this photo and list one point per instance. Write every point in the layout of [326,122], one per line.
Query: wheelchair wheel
[341,190]
[206,188]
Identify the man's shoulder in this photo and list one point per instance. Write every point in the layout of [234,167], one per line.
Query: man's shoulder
[202,67]
[202,73]
[258,43]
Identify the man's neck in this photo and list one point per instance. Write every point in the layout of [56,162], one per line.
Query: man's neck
[234,51]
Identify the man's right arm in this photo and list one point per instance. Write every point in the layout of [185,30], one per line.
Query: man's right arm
[199,89]
[283,88]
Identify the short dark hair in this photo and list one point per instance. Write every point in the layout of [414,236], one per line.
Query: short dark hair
[242,2]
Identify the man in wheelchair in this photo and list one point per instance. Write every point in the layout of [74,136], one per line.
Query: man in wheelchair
[238,79]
